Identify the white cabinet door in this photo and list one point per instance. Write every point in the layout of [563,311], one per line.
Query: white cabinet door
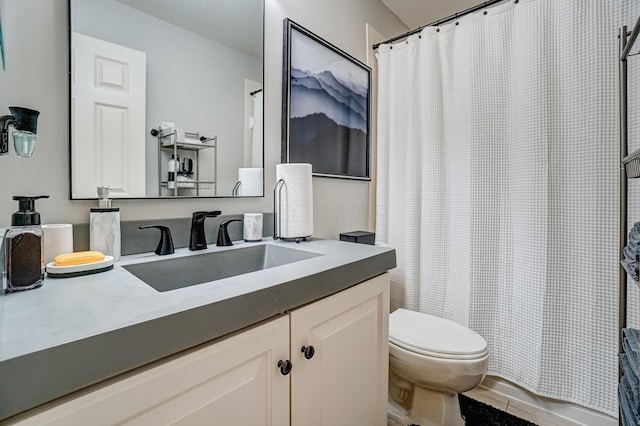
[232,382]
[345,381]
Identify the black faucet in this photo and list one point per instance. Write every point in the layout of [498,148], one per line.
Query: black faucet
[223,233]
[165,245]
[198,240]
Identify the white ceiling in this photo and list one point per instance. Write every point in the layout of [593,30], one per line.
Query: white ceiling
[238,23]
[235,23]
[417,13]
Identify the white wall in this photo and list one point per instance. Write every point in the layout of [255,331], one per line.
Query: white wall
[35,32]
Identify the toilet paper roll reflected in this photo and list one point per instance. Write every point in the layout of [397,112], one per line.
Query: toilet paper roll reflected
[57,239]
[250,182]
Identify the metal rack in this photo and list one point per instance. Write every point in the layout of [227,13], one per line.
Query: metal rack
[629,168]
[193,143]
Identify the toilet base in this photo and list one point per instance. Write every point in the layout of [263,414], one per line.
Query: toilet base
[428,408]
[435,408]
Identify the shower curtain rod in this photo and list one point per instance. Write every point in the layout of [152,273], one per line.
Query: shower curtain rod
[632,39]
[442,21]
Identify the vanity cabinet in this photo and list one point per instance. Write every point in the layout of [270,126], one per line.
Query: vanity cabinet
[336,347]
[228,382]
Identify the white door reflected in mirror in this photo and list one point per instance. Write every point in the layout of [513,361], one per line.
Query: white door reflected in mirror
[108,110]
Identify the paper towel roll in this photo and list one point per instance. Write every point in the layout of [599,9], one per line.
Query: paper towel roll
[295,199]
[250,181]
[57,238]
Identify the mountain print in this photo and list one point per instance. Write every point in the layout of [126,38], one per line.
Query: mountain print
[331,149]
[330,92]
[327,100]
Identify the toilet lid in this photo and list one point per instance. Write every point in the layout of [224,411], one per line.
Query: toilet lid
[434,336]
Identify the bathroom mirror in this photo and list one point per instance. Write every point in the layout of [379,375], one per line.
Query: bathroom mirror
[166,98]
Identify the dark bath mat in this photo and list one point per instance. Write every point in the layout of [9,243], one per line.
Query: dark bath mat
[477,413]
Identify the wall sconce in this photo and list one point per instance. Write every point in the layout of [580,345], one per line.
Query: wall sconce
[25,122]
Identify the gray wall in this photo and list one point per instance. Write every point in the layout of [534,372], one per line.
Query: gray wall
[35,32]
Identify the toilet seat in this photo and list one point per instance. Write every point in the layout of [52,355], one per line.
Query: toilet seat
[433,336]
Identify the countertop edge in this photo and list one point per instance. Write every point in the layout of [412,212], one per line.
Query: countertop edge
[40,377]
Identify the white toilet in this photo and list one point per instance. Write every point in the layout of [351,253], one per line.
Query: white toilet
[431,360]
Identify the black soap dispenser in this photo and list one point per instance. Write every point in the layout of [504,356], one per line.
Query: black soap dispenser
[23,248]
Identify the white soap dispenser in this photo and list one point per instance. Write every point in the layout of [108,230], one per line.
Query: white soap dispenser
[104,226]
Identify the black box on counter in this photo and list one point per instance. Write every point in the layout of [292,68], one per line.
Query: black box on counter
[360,237]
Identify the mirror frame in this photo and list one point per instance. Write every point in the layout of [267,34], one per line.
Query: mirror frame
[187,197]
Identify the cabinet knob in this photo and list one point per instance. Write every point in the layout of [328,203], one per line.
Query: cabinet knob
[285,366]
[308,351]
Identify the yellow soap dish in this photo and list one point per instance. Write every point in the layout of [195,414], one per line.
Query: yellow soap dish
[54,271]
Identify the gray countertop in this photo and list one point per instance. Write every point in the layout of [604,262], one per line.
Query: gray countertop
[75,332]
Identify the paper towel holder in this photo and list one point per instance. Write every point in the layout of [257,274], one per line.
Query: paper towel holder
[277,216]
[236,189]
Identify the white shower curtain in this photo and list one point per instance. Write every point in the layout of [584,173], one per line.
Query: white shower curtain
[498,186]
[257,134]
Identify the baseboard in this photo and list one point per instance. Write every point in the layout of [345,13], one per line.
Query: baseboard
[515,400]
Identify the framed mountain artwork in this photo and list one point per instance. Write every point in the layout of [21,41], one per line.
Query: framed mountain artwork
[326,106]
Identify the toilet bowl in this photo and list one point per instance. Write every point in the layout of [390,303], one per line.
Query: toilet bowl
[431,360]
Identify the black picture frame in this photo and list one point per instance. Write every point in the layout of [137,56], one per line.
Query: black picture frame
[326,106]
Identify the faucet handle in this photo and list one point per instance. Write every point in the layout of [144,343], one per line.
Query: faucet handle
[165,245]
[203,214]
[223,233]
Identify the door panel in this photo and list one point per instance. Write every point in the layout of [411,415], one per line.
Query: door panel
[108,110]
[345,382]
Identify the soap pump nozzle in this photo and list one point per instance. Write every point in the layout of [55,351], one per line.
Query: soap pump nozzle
[103,201]
[26,214]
